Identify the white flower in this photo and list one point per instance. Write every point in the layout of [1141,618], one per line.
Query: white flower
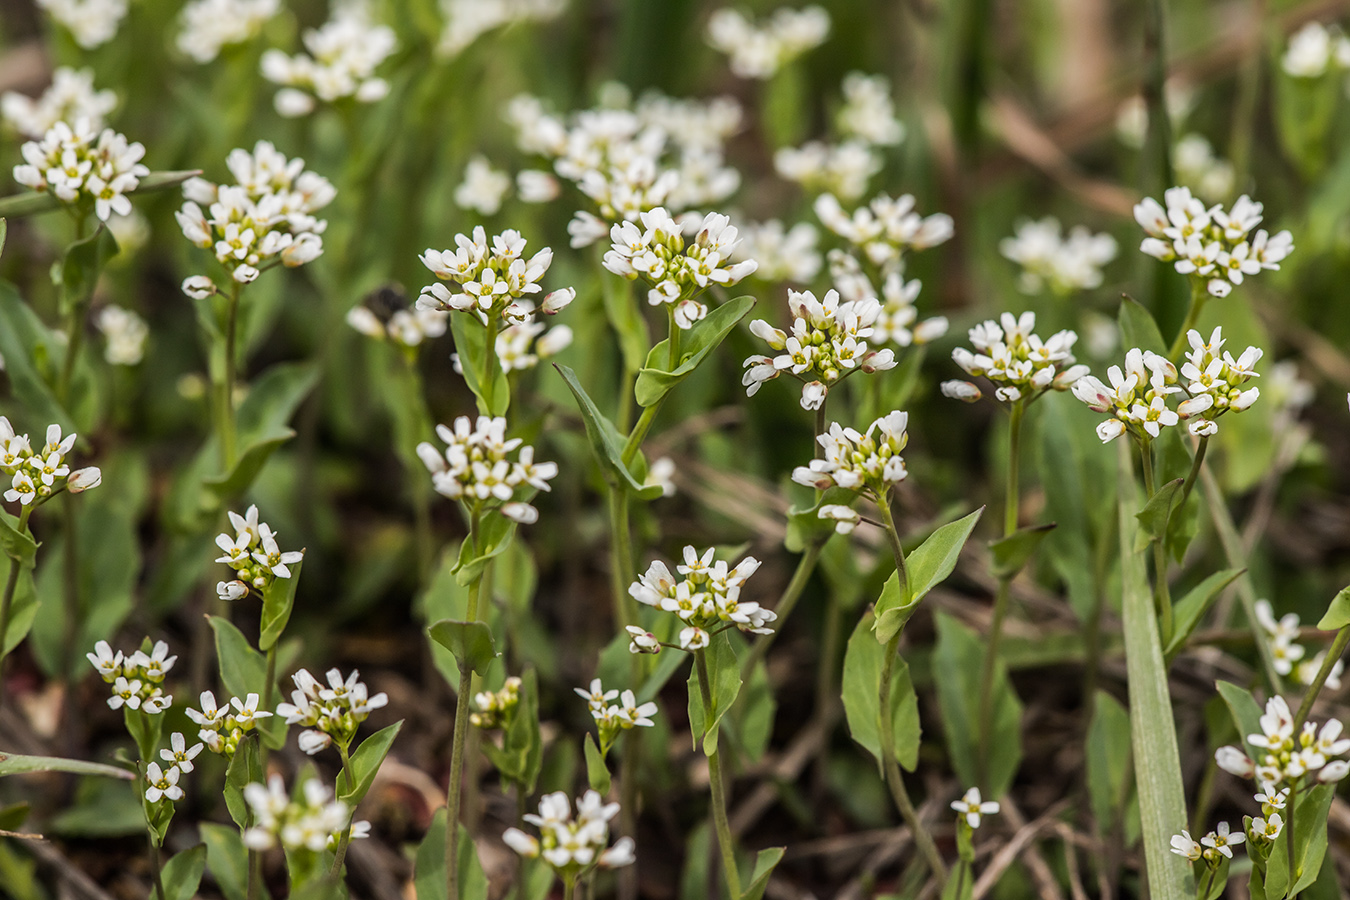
[343,56]
[483,187]
[488,280]
[760,50]
[1267,829]
[180,754]
[210,25]
[845,518]
[1233,760]
[477,467]
[70,98]
[125,332]
[108,663]
[1221,841]
[570,843]
[841,170]
[1310,51]
[858,461]
[971,808]
[868,112]
[162,784]
[75,163]
[642,641]
[91,23]
[1184,845]
[1048,259]
[467,20]
[886,228]
[964,391]
[309,823]
[789,255]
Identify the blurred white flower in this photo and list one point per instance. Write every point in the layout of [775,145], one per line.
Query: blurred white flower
[343,56]
[70,98]
[1048,259]
[210,25]
[79,164]
[483,187]
[467,20]
[91,23]
[759,50]
[125,332]
[869,112]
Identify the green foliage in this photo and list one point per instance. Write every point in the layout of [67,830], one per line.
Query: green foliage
[1191,609]
[1138,327]
[927,567]
[1109,778]
[597,770]
[1337,615]
[429,867]
[183,873]
[470,642]
[471,343]
[861,684]
[606,442]
[1011,554]
[724,684]
[80,269]
[227,859]
[365,764]
[278,601]
[959,655]
[18,764]
[520,755]
[765,862]
[658,378]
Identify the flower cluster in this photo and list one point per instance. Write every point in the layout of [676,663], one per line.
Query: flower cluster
[782,255]
[572,844]
[161,783]
[898,322]
[70,98]
[329,714]
[886,228]
[91,23]
[1215,245]
[467,20]
[340,65]
[760,50]
[1016,360]
[136,679]
[1218,843]
[828,342]
[80,165]
[208,26]
[707,597]
[37,474]
[476,467]
[223,727]
[406,327]
[126,333]
[493,709]
[971,809]
[265,217]
[311,823]
[1197,167]
[491,281]
[868,112]
[1288,655]
[859,462]
[254,555]
[1207,386]
[612,719]
[483,187]
[1286,760]
[1049,259]
[1314,50]
[842,169]
[521,347]
[677,271]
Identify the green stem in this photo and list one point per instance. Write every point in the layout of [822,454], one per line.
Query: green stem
[346,838]
[786,603]
[1162,600]
[569,887]
[1237,559]
[675,329]
[225,424]
[1328,663]
[490,365]
[1191,476]
[11,584]
[718,787]
[639,433]
[455,789]
[894,781]
[1209,883]
[1199,294]
[1012,497]
[1289,837]
[70,567]
[621,558]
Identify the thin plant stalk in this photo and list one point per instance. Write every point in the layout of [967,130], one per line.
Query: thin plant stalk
[225,420]
[454,791]
[7,601]
[1324,671]
[1199,294]
[894,781]
[1011,516]
[718,787]
[346,838]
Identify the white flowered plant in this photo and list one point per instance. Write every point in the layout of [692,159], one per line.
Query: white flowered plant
[1286,760]
[782,255]
[1020,364]
[677,271]
[827,342]
[208,26]
[760,50]
[136,678]
[492,281]
[252,551]
[329,714]
[1216,247]
[340,65]
[885,229]
[37,474]
[868,112]
[868,464]
[1289,656]
[91,23]
[223,727]
[1050,259]
[483,187]
[408,328]
[1198,168]
[612,719]
[971,809]
[267,217]
[495,709]
[707,599]
[125,332]
[572,845]
[83,167]
[484,470]
[304,824]
[841,169]
[1314,50]
[467,20]
[71,97]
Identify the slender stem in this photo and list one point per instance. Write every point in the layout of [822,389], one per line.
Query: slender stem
[674,340]
[490,365]
[225,424]
[346,838]
[1199,295]
[569,887]
[786,603]
[152,855]
[70,567]
[715,778]
[1162,599]
[1328,663]
[894,782]
[621,557]
[11,584]
[639,433]
[1191,476]
[1289,837]
[1209,883]
[453,792]
[1012,497]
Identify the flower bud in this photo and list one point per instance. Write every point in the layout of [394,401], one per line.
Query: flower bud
[231,590]
[199,287]
[961,390]
[1234,761]
[84,479]
[558,301]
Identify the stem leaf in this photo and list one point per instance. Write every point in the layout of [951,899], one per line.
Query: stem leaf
[18,764]
[471,343]
[429,867]
[1192,608]
[1012,552]
[182,874]
[470,642]
[765,862]
[724,675]
[655,380]
[861,688]
[1138,327]
[927,567]
[278,601]
[1338,612]
[365,764]
[606,443]
[597,771]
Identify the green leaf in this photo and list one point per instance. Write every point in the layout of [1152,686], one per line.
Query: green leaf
[278,600]
[145,730]
[1310,844]
[1188,611]
[1138,328]
[470,642]
[1157,763]
[1246,714]
[429,867]
[1010,554]
[14,543]
[1154,516]
[522,744]
[80,269]
[13,816]
[245,768]
[753,714]
[244,672]
[262,423]
[625,316]
[17,764]
[4,233]
[959,656]
[1108,761]
[861,692]
[1338,612]
[365,764]
[33,202]
[227,858]
[724,675]
[471,344]
[495,536]
[183,873]
[657,378]
[765,861]
[597,771]
[606,442]
[927,567]
[23,606]
[31,352]
[960,882]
